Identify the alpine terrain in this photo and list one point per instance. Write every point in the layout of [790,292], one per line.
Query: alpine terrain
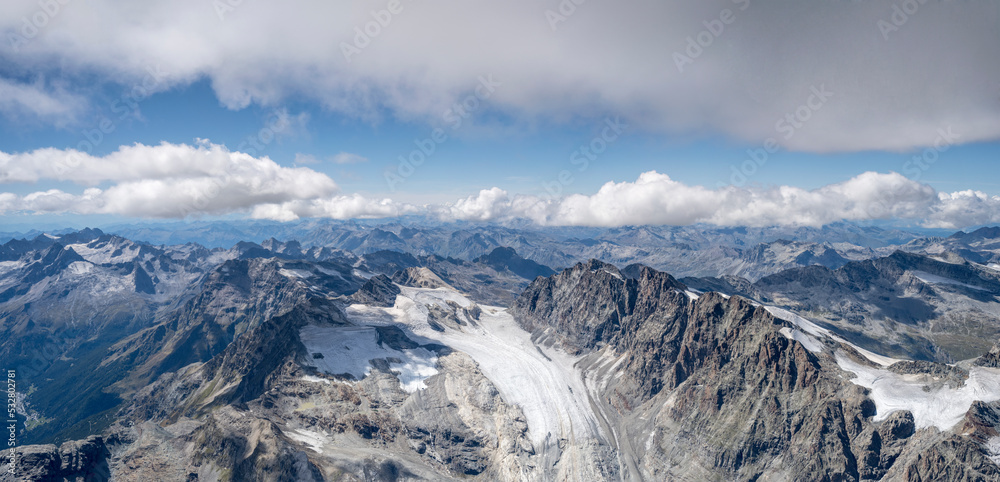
[286,361]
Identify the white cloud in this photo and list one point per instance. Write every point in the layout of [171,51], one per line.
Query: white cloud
[265,190]
[654,198]
[340,158]
[965,208]
[140,162]
[348,158]
[163,181]
[36,101]
[305,159]
[892,91]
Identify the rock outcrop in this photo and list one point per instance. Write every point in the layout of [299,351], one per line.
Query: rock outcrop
[77,460]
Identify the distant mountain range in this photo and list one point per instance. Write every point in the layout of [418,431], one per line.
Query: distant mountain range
[385,352]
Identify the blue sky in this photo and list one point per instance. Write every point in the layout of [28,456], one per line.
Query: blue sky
[694,127]
[521,161]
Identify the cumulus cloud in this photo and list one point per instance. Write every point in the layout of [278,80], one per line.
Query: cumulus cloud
[666,66]
[963,209]
[267,191]
[655,198]
[163,181]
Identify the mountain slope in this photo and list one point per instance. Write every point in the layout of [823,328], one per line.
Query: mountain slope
[287,369]
[906,305]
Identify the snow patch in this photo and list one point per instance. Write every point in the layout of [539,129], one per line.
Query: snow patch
[802,323]
[692,295]
[993,447]
[872,357]
[807,341]
[314,440]
[816,331]
[295,273]
[994,266]
[350,349]
[330,272]
[935,279]
[80,267]
[312,379]
[932,404]
[435,296]
[7,266]
[104,254]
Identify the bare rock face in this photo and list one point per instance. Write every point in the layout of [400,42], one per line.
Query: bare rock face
[377,291]
[729,397]
[78,460]
[956,458]
[586,305]
[485,435]
[990,359]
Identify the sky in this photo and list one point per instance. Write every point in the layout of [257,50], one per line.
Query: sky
[562,112]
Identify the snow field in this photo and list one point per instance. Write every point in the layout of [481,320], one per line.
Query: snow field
[807,341]
[935,279]
[351,349]
[932,404]
[817,332]
[544,383]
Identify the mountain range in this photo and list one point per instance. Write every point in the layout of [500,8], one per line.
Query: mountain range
[390,352]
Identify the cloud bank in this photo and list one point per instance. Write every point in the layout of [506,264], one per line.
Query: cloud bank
[177,181]
[173,181]
[655,198]
[897,70]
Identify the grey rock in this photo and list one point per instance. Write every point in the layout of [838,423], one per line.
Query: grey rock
[78,460]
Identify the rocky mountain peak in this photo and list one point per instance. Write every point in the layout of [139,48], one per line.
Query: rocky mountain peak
[586,304]
[418,278]
[379,290]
